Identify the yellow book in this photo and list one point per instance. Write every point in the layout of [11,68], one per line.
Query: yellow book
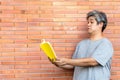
[48,50]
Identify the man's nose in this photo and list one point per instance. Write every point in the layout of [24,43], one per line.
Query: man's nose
[88,24]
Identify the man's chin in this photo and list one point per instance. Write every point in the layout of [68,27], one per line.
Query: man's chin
[89,31]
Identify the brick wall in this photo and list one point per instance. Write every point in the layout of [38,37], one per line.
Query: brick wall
[23,23]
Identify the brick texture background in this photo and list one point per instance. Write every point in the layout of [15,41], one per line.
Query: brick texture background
[23,23]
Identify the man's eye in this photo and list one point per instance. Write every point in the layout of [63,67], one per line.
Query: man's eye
[91,22]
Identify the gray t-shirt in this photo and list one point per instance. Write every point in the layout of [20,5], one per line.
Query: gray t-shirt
[102,51]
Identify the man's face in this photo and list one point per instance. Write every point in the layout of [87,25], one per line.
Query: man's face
[92,25]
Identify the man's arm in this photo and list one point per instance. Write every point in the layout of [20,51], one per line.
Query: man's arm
[82,62]
[58,63]
[66,66]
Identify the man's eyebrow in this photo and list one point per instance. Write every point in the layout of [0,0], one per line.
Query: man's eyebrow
[91,19]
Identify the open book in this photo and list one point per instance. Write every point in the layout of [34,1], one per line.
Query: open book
[48,50]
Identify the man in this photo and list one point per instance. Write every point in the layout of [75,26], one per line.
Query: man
[92,57]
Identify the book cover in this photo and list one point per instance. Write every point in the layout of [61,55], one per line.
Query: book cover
[48,50]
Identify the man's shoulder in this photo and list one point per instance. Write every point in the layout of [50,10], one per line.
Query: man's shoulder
[106,40]
[87,40]
[84,41]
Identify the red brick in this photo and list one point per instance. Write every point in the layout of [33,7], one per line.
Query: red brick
[35,8]
[70,3]
[52,32]
[21,24]
[14,37]
[35,53]
[6,7]
[21,15]
[33,24]
[7,58]
[63,23]
[65,11]
[101,7]
[83,8]
[11,11]
[7,62]
[4,67]
[27,66]
[6,25]
[39,36]
[39,28]
[10,54]
[7,50]
[14,20]
[21,7]
[40,20]
[20,32]
[51,24]
[46,15]
[7,76]
[46,3]
[26,49]
[39,62]
[82,3]
[19,2]
[40,78]
[6,16]
[63,78]
[2,41]
[42,11]
[32,3]
[19,53]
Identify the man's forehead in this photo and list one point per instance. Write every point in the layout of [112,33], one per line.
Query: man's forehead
[91,18]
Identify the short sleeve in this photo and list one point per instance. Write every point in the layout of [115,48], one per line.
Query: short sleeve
[103,53]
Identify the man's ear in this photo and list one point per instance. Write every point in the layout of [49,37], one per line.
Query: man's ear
[101,24]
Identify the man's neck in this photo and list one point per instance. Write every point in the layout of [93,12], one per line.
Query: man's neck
[96,36]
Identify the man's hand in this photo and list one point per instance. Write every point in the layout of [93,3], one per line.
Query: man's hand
[59,61]
[51,60]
